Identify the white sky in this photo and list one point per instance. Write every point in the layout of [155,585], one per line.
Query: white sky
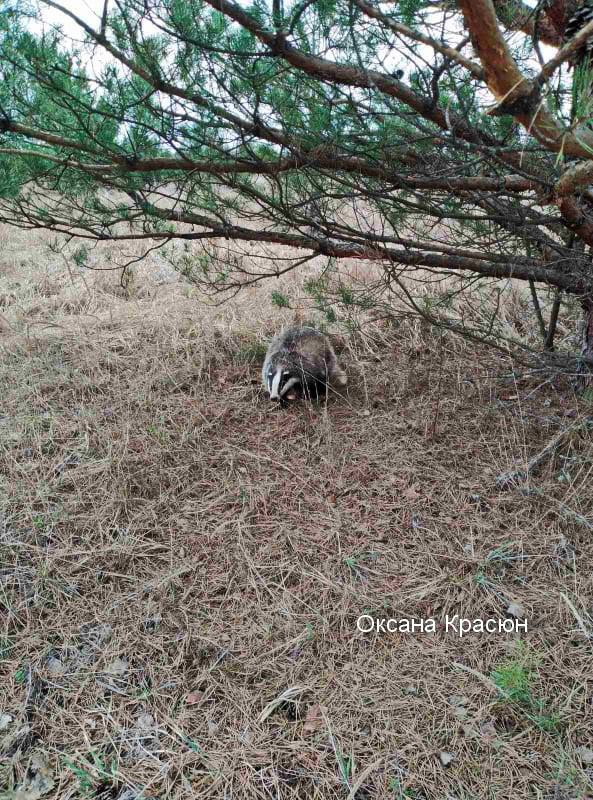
[91,10]
[88,10]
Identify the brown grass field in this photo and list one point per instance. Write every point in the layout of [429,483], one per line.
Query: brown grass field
[182,565]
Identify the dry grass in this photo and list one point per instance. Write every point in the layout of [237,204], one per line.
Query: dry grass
[183,565]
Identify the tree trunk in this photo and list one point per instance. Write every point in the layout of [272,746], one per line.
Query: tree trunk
[587,343]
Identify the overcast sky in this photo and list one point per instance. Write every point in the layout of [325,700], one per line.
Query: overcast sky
[91,10]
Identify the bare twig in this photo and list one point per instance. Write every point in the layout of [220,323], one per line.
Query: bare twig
[538,311]
[549,342]
[507,479]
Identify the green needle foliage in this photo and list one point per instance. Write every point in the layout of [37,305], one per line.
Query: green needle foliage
[337,129]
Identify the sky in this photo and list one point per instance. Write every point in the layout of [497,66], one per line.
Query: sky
[88,10]
[91,10]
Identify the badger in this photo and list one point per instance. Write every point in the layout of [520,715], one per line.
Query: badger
[300,362]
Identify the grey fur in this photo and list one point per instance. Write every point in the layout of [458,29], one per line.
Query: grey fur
[300,361]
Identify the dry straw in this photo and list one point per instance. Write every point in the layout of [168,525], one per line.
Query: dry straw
[180,559]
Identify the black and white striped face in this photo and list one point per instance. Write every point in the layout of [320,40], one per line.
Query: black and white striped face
[282,385]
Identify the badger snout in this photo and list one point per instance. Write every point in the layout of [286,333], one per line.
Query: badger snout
[284,397]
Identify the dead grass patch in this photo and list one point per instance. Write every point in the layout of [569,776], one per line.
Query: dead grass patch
[183,565]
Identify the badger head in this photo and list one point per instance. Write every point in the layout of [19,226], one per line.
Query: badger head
[284,383]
